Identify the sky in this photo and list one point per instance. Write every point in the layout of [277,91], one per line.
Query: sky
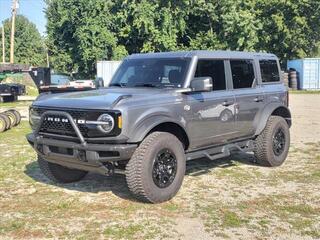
[32,9]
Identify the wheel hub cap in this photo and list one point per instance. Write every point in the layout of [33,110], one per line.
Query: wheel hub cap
[279,142]
[164,168]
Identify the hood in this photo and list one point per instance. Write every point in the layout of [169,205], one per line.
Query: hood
[96,99]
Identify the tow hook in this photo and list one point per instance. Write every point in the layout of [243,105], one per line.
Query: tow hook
[109,167]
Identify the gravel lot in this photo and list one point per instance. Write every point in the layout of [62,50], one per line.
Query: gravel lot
[231,198]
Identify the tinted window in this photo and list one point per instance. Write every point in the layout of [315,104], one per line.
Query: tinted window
[269,71]
[242,73]
[213,69]
[162,73]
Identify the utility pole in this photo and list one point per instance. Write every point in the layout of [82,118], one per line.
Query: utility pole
[3,46]
[13,18]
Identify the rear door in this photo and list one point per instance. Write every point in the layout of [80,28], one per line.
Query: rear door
[249,96]
[212,114]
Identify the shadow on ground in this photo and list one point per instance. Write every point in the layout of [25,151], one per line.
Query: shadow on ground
[116,184]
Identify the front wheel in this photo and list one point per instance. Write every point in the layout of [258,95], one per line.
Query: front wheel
[272,145]
[156,170]
[58,173]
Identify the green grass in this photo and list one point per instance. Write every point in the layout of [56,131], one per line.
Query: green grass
[123,232]
[304,91]
[231,219]
[224,200]
[16,104]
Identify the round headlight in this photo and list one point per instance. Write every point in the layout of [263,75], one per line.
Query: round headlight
[34,118]
[107,123]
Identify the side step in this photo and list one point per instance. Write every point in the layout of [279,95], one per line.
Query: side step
[221,151]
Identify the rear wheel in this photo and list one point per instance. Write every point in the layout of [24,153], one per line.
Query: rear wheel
[58,173]
[272,145]
[156,170]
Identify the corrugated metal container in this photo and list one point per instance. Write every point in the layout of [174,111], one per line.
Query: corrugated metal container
[309,72]
[106,69]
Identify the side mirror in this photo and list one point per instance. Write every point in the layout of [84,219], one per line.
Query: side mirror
[99,82]
[201,84]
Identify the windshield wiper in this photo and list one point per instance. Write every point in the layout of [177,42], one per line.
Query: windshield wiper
[146,85]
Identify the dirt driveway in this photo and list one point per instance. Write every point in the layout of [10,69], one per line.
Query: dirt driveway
[305,110]
[226,199]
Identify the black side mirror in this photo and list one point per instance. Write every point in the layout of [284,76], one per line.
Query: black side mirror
[201,84]
[99,82]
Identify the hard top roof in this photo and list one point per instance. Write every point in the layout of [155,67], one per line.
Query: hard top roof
[204,54]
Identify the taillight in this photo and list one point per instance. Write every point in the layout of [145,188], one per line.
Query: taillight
[287,98]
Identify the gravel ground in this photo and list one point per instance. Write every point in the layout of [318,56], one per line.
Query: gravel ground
[230,198]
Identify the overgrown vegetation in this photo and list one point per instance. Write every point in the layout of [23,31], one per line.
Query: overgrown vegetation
[81,32]
[29,45]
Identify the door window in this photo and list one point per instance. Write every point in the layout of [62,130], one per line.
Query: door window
[242,73]
[213,69]
[269,71]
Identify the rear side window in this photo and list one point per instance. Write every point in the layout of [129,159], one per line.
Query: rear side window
[269,71]
[242,73]
[213,69]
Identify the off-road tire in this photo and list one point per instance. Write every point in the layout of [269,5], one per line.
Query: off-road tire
[12,117]
[263,151]
[58,173]
[2,124]
[17,114]
[7,121]
[140,166]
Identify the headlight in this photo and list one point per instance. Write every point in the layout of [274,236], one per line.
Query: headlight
[34,118]
[105,123]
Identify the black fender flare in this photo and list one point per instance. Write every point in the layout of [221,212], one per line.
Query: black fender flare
[273,108]
[141,130]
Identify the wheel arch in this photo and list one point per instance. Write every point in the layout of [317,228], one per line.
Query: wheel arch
[272,109]
[163,124]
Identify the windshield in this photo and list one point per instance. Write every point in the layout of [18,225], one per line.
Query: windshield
[160,73]
[60,79]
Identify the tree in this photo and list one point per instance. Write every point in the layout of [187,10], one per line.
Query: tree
[290,28]
[150,26]
[28,47]
[81,32]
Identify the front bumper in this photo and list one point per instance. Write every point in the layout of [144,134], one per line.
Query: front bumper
[83,155]
[88,157]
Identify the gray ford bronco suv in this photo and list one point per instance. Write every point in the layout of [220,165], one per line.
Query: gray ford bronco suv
[160,110]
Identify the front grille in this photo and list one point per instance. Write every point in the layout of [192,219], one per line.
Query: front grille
[64,128]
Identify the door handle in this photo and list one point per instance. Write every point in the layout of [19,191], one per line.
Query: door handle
[227,103]
[258,99]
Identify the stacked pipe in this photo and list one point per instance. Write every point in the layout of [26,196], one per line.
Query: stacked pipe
[9,119]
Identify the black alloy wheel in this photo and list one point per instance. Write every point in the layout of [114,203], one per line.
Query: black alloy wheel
[164,168]
[279,142]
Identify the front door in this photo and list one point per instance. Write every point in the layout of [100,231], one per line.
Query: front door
[211,114]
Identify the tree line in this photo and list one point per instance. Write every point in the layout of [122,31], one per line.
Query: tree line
[80,32]
[29,45]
